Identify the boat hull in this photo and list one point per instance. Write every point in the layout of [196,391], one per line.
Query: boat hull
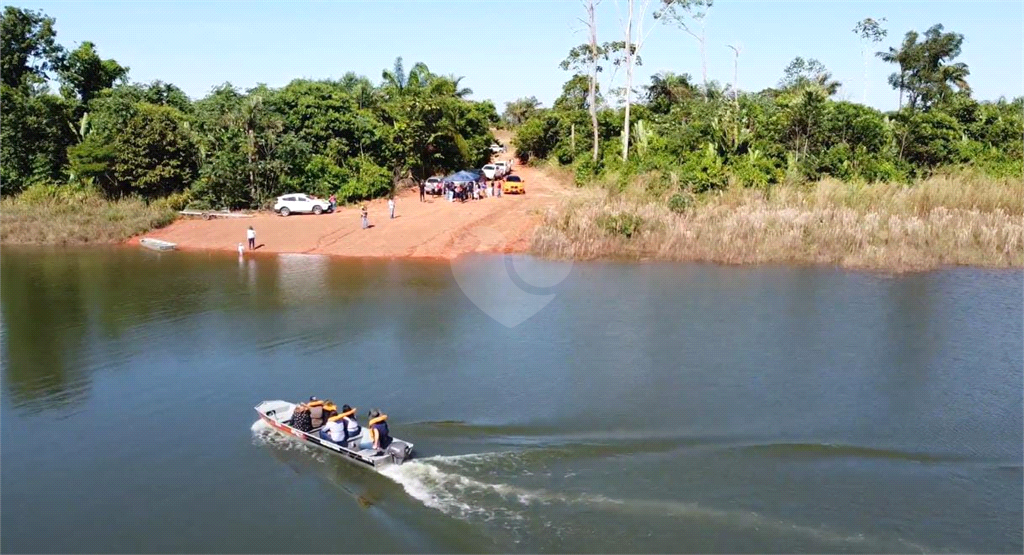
[277,414]
[157,244]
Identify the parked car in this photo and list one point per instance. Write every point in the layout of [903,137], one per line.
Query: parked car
[433,186]
[301,203]
[497,148]
[514,185]
[503,168]
[491,171]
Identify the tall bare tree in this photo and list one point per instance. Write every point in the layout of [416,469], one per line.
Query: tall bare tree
[871,32]
[690,16]
[594,68]
[636,11]
[736,51]
[588,56]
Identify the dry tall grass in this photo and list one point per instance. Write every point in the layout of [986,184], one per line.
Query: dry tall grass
[66,216]
[944,220]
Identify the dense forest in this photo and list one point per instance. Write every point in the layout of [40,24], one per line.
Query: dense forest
[696,136]
[233,148]
[74,120]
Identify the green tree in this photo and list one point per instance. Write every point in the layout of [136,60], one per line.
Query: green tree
[537,136]
[668,89]
[929,139]
[28,47]
[92,160]
[155,153]
[487,110]
[398,83]
[927,73]
[84,74]
[519,110]
[801,74]
[33,124]
[589,57]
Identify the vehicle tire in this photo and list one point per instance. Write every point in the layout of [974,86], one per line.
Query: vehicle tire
[318,210]
[285,211]
[207,216]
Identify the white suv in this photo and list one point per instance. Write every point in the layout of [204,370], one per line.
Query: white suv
[299,202]
[503,168]
[433,186]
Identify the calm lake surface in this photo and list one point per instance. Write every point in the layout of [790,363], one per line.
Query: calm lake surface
[645,408]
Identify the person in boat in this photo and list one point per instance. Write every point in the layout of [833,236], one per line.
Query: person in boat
[352,428]
[330,410]
[316,412]
[334,431]
[342,427]
[301,419]
[379,433]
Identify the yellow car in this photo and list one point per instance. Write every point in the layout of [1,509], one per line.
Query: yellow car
[514,186]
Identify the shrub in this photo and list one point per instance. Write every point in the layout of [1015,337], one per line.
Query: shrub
[585,171]
[755,170]
[174,202]
[931,139]
[69,214]
[324,176]
[703,172]
[679,202]
[58,193]
[624,224]
[878,169]
[364,179]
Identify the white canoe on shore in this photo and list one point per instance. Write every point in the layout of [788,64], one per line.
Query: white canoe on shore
[157,244]
[210,214]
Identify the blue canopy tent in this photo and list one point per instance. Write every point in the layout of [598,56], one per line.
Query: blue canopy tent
[464,176]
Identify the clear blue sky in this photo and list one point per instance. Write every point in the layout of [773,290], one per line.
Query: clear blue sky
[508,49]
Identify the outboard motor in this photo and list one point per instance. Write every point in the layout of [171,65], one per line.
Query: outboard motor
[397,450]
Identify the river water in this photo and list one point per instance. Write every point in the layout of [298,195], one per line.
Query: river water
[644,408]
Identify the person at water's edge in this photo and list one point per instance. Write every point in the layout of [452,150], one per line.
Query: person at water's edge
[423,189]
[251,235]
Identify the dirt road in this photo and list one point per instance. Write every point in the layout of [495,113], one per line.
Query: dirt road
[434,228]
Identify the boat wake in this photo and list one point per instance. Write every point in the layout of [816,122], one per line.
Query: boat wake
[456,486]
[438,483]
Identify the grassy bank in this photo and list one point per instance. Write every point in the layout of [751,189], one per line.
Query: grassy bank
[944,220]
[65,215]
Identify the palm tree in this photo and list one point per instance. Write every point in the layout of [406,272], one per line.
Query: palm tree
[447,85]
[399,83]
[360,88]
[925,72]
[464,91]
[802,74]
[395,78]
[904,57]
[826,83]
[668,88]
[518,111]
[260,135]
